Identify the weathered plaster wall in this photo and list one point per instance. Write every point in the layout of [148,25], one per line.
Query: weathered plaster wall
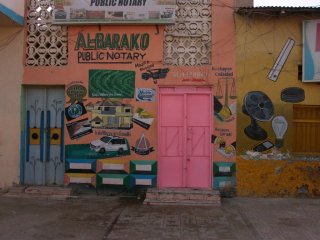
[277,178]
[11,69]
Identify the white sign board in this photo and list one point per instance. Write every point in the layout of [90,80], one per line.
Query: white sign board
[114,11]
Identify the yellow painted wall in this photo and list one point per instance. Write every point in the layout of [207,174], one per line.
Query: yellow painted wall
[11,68]
[277,178]
[260,39]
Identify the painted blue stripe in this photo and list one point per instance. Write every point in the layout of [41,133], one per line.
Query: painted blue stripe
[22,142]
[48,137]
[41,136]
[28,137]
[11,14]
[62,137]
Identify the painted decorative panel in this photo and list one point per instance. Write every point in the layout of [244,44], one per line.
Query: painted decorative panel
[224,169]
[46,44]
[140,167]
[224,182]
[81,165]
[143,180]
[112,165]
[112,179]
[188,41]
[80,178]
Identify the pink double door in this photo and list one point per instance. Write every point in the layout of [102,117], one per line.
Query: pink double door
[184,137]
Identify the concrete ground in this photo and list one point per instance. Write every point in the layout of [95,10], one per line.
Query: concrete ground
[104,217]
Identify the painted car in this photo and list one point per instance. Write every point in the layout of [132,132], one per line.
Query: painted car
[110,144]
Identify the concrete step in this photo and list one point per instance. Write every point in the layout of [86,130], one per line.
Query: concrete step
[182,196]
[38,191]
[48,191]
[15,191]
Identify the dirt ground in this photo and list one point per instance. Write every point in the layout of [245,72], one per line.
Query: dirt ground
[112,217]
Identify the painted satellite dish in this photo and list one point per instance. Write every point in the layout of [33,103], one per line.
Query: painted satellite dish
[258,106]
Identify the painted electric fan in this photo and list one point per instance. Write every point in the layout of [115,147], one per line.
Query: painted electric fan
[258,106]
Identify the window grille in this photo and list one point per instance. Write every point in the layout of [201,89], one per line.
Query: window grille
[188,41]
[46,44]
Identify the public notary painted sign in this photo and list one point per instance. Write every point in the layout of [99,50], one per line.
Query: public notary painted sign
[114,11]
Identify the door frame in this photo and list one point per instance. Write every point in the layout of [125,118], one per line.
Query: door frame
[186,87]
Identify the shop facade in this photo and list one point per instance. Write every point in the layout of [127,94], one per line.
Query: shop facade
[278,102]
[151,103]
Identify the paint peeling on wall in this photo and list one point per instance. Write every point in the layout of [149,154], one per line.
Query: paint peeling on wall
[278,178]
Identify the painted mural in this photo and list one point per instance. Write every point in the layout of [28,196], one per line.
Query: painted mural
[143,118]
[155,74]
[104,126]
[282,58]
[259,107]
[111,115]
[111,110]
[275,117]
[111,84]
[224,109]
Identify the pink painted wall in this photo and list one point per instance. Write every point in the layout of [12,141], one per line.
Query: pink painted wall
[217,75]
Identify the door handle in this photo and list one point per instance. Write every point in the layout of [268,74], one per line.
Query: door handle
[188,159]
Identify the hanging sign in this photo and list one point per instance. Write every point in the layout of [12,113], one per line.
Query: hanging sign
[114,11]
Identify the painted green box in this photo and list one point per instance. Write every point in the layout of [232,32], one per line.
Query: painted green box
[224,182]
[113,179]
[224,169]
[80,165]
[78,151]
[143,180]
[143,167]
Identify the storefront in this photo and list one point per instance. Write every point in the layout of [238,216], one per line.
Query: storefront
[150,102]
